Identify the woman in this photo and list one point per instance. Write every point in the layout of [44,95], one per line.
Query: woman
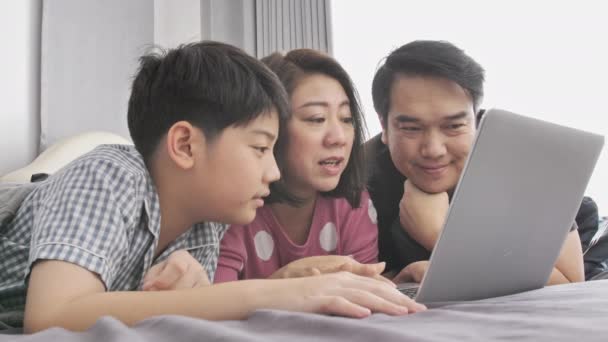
[320,206]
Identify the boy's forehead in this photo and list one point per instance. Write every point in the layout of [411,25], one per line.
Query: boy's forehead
[265,124]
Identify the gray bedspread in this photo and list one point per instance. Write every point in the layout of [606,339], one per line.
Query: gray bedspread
[574,313]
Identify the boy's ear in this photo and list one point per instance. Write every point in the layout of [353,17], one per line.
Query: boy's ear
[182,141]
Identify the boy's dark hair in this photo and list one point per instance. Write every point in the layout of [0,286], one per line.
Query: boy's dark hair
[427,58]
[291,68]
[209,84]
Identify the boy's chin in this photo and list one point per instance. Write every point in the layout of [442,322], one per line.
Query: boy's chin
[244,217]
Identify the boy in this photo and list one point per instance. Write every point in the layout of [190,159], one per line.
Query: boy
[204,119]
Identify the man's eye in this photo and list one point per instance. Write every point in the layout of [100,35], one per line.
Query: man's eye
[409,128]
[456,126]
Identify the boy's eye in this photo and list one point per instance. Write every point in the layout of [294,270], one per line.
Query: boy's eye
[261,149]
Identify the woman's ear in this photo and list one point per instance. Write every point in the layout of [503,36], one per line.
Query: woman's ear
[181,140]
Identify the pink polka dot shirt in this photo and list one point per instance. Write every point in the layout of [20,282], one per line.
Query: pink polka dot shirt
[260,248]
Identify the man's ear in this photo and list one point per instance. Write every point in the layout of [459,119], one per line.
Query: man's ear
[181,140]
[383,136]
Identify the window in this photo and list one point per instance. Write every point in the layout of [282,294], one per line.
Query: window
[545,58]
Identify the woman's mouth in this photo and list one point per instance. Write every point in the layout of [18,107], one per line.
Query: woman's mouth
[331,166]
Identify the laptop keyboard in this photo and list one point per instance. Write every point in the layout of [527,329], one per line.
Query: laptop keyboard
[409,291]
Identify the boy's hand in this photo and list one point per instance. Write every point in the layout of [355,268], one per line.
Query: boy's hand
[179,271]
[413,272]
[342,293]
[422,214]
[323,264]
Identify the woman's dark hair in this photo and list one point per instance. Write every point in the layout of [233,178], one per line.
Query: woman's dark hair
[291,68]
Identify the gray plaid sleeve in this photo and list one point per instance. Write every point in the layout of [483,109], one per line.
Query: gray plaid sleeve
[80,220]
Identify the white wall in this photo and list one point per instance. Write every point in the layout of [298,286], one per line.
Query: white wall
[176,22]
[19,82]
[546,59]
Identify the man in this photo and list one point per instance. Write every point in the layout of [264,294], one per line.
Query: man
[427,95]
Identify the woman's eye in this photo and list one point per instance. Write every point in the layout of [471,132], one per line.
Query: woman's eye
[316,120]
[348,120]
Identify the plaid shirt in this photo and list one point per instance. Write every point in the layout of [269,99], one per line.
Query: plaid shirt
[102,213]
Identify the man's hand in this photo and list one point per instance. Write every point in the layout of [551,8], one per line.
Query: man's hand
[317,265]
[422,215]
[179,271]
[413,272]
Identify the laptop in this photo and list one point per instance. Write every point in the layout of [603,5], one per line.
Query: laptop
[511,211]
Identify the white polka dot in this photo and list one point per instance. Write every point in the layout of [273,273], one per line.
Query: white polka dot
[329,237]
[371,211]
[264,245]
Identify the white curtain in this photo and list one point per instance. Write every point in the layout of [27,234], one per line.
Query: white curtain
[282,25]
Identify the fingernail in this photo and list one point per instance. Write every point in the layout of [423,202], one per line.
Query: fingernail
[403,310]
[366,313]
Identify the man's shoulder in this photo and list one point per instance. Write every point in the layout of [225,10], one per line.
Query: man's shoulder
[380,167]
[374,145]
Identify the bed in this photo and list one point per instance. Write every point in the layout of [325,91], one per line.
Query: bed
[572,312]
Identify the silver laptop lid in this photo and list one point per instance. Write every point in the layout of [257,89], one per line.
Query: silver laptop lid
[513,207]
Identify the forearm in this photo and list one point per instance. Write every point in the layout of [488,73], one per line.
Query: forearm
[563,277]
[557,278]
[569,266]
[425,234]
[131,307]
[426,238]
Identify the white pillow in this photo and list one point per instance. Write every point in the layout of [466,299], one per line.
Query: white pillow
[61,153]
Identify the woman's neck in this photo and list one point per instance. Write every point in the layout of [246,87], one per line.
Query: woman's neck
[295,221]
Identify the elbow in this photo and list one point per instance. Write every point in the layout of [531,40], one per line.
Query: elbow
[36,322]
[33,323]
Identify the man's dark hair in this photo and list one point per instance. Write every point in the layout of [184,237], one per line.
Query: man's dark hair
[427,58]
[209,84]
[291,68]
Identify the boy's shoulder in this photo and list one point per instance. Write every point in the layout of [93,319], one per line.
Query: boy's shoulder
[112,162]
[119,169]
[119,157]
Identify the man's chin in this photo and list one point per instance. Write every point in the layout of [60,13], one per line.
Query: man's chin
[434,187]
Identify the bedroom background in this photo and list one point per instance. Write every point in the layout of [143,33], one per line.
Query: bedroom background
[66,64]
